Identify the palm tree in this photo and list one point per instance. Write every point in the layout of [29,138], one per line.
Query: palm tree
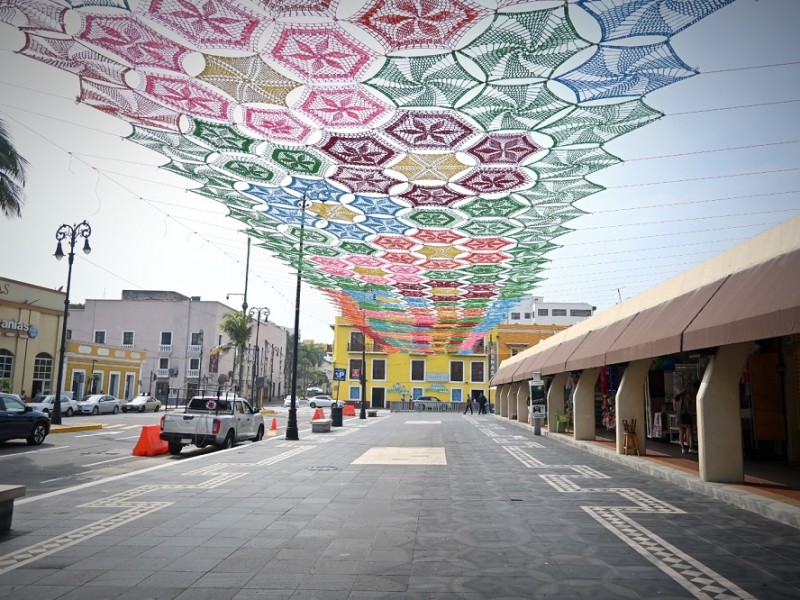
[12,176]
[238,327]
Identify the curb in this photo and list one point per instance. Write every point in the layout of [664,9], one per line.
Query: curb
[71,428]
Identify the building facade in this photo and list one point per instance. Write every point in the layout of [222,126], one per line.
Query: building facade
[534,310]
[30,334]
[181,338]
[393,377]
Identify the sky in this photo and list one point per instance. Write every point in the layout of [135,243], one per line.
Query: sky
[720,167]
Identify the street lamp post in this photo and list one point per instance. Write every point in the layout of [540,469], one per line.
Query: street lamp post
[200,364]
[71,233]
[257,312]
[363,413]
[292,431]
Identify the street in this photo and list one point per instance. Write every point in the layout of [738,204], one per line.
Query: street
[69,458]
[405,505]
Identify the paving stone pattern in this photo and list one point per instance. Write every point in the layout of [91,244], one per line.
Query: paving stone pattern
[398,506]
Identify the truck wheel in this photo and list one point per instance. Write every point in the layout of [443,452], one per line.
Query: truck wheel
[259,435]
[228,443]
[175,448]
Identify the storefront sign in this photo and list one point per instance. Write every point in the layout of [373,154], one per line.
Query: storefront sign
[437,377]
[21,328]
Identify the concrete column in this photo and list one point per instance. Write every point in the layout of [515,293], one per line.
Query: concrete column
[518,396]
[555,398]
[583,405]
[501,400]
[630,402]
[719,424]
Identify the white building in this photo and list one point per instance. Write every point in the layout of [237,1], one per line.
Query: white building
[533,310]
[179,333]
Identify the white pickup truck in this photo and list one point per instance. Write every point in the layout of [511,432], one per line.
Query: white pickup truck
[221,421]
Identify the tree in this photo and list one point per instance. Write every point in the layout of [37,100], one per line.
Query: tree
[238,327]
[12,176]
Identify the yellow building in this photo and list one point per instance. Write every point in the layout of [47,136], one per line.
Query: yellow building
[97,368]
[30,332]
[393,377]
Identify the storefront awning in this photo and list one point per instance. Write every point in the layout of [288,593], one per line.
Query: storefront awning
[657,331]
[534,361]
[757,303]
[592,352]
[556,362]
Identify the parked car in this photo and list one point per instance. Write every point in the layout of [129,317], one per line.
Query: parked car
[426,403]
[142,404]
[99,403]
[45,403]
[287,402]
[19,420]
[323,401]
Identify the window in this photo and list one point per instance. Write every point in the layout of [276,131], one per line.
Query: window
[456,370]
[417,370]
[356,341]
[194,364]
[197,338]
[13,405]
[69,334]
[542,312]
[379,369]
[528,316]
[515,316]
[6,364]
[559,312]
[163,363]
[166,338]
[42,372]
[476,371]
[127,338]
[99,337]
[580,312]
[456,395]
[355,369]
[515,351]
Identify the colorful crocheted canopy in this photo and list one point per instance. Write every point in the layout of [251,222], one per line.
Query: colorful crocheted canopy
[427,154]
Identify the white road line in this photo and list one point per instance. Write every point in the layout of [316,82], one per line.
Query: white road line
[102,462]
[32,451]
[96,434]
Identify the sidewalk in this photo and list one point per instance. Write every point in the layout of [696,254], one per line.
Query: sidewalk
[401,506]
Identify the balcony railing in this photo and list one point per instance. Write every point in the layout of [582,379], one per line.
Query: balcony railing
[165,347]
[192,373]
[194,348]
[162,373]
[360,348]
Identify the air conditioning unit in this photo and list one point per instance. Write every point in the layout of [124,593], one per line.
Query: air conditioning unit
[173,372]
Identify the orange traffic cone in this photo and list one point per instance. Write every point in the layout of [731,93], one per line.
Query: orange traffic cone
[273,429]
[318,414]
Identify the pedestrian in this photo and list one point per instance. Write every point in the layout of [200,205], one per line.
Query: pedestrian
[23,395]
[685,422]
[482,401]
[468,407]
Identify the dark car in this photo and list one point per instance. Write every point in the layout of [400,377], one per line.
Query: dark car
[17,420]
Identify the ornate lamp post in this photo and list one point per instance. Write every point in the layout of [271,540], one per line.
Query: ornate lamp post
[259,313]
[292,432]
[71,233]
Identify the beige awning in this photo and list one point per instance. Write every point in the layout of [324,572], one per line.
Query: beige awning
[592,352]
[757,303]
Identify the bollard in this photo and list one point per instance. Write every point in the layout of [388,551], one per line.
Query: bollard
[537,426]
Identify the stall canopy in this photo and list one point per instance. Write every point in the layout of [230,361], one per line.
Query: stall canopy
[748,293]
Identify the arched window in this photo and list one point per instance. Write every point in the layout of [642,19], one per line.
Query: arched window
[6,365]
[42,373]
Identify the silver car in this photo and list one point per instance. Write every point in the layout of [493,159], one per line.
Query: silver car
[323,401]
[99,403]
[142,404]
[46,404]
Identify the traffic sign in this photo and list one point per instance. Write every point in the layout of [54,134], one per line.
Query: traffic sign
[339,374]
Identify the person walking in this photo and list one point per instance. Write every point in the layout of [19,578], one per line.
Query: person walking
[685,422]
[482,401]
[468,407]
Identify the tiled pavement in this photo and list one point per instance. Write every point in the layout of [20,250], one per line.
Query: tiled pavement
[370,511]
